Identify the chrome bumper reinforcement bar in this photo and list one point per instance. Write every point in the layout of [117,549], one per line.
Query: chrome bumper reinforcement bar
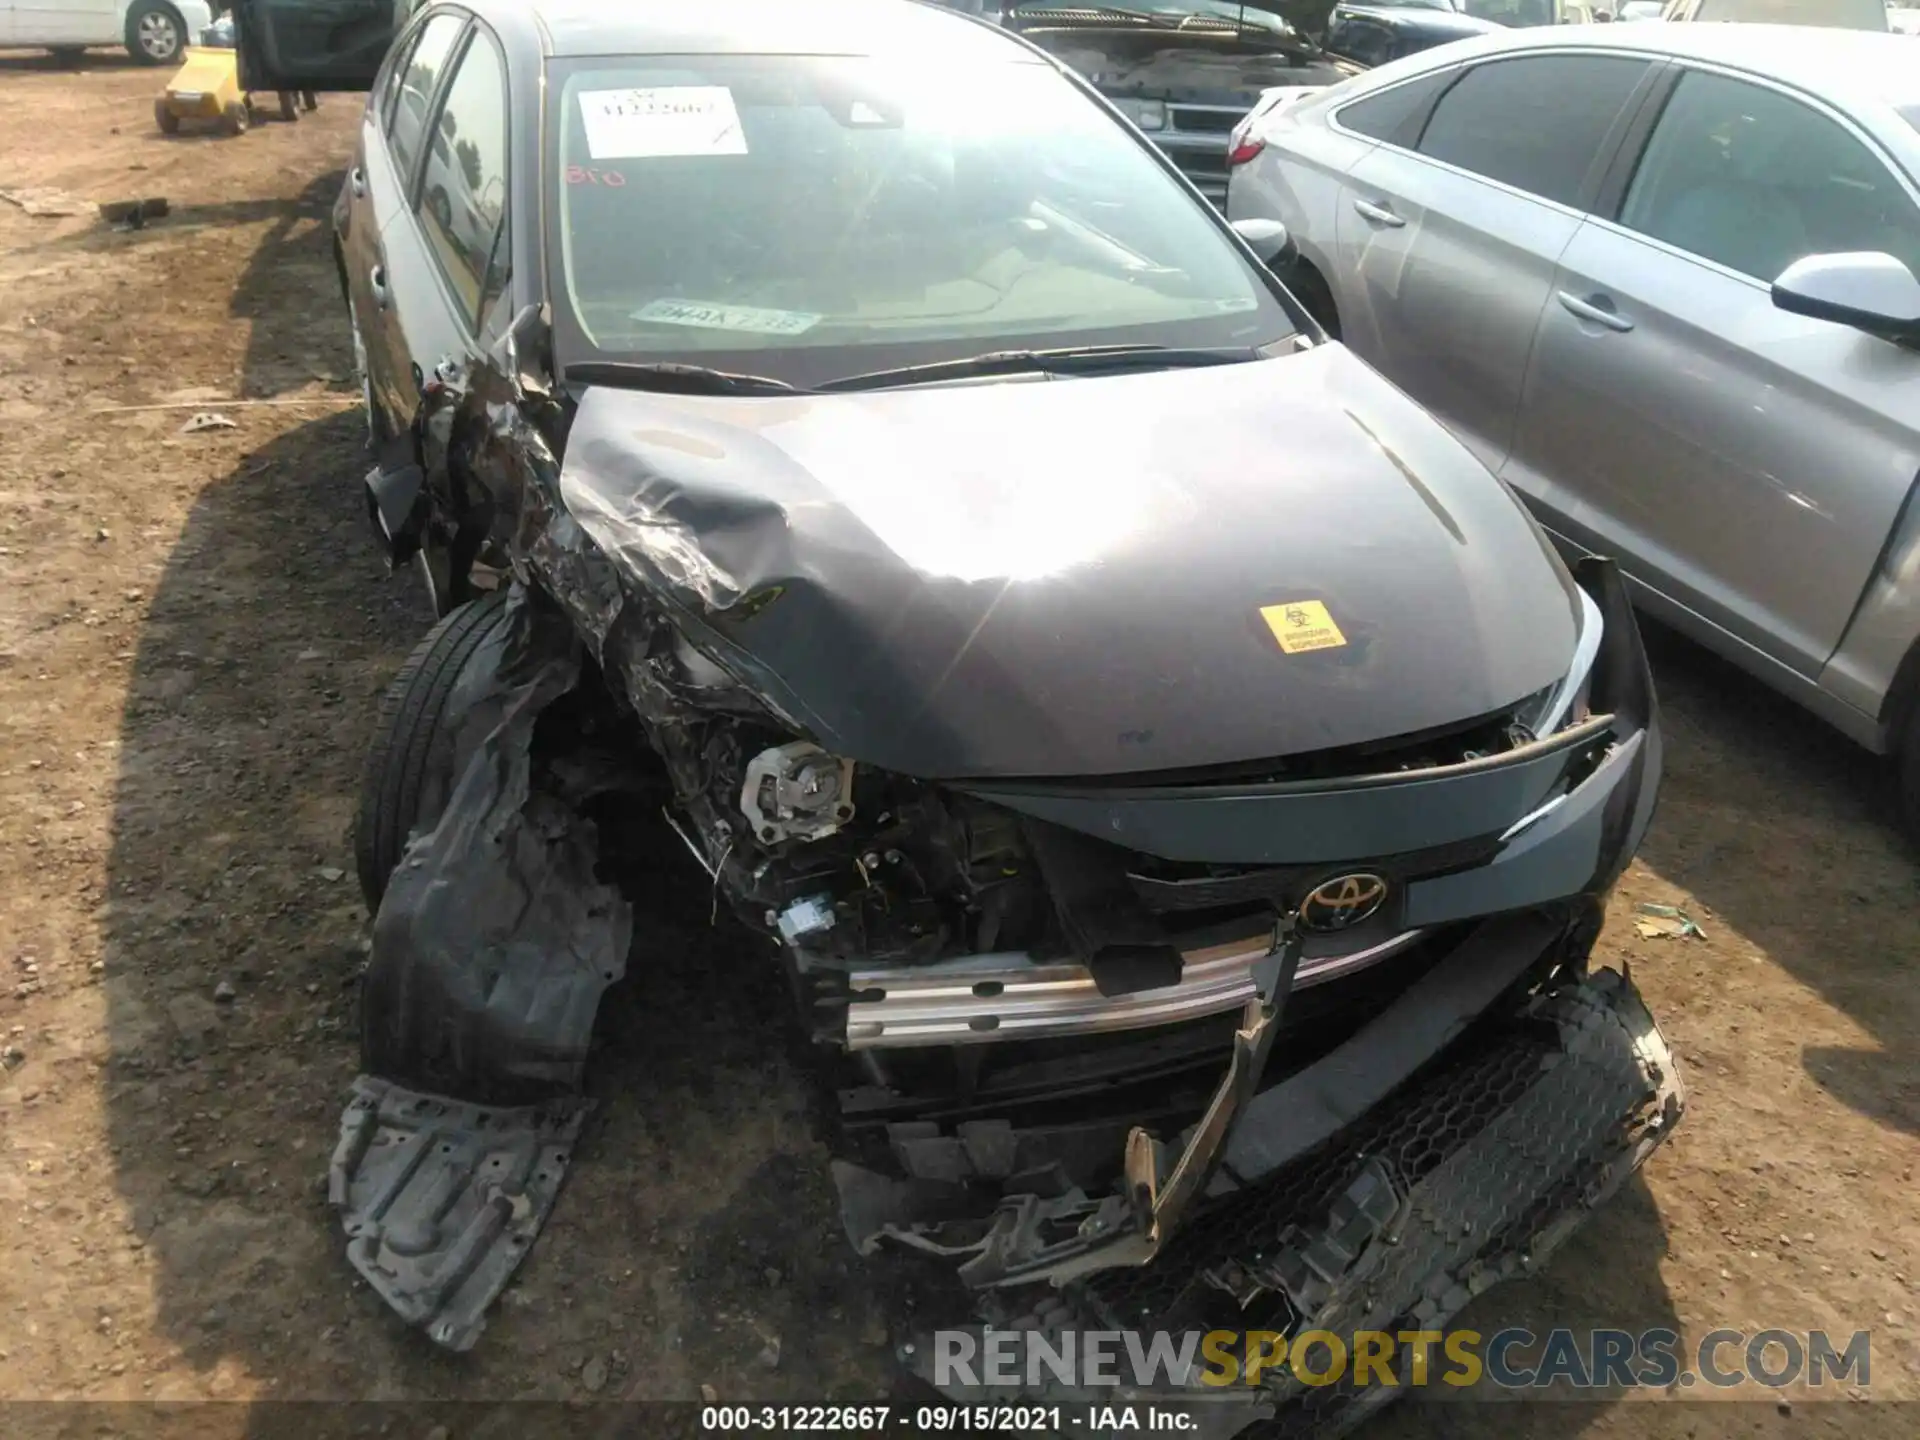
[978,999]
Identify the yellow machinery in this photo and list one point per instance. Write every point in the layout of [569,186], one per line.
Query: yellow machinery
[207,87]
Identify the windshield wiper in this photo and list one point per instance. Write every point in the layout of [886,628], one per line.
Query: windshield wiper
[1075,360]
[674,378]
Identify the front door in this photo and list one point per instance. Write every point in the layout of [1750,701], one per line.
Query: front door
[315,44]
[1745,463]
[390,281]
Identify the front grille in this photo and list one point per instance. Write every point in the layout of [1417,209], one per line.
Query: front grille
[1414,1131]
[1205,119]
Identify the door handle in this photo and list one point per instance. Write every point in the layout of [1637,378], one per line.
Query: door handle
[1378,214]
[1597,308]
[377,282]
[357,179]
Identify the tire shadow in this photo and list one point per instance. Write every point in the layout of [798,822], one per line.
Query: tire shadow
[1787,832]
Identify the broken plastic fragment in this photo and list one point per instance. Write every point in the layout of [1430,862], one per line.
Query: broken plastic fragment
[1665,922]
[441,1201]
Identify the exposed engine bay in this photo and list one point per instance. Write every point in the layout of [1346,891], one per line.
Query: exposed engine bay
[1187,74]
[1069,1015]
[1196,64]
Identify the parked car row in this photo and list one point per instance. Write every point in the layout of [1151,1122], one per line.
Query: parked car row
[1177,782]
[1661,280]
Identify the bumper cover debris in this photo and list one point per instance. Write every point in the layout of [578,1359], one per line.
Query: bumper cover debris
[1474,1174]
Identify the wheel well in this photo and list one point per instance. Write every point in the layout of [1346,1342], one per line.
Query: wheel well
[1902,695]
[1310,287]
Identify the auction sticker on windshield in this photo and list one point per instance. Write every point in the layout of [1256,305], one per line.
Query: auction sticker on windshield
[660,121]
[744,318]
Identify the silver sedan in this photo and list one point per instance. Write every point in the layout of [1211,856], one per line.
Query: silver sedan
[1661,279]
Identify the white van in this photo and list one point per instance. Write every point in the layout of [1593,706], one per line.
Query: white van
[154,32]
[1834,14]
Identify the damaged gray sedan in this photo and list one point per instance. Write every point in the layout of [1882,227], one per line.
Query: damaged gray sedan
[1178,785]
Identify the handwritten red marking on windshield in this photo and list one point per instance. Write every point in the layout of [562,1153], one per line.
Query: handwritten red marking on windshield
[586,175]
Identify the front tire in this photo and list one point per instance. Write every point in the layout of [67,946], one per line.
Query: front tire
[164,117]
[409,767]
[155,33]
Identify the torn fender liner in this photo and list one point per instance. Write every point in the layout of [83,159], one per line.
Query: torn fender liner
[494,940]
[441,1200]
[491,950]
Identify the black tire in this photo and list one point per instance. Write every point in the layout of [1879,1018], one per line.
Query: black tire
[289,105]
[164,117]
[408,762]
[309,101]
[1906,762]
[236,118]
[149,22]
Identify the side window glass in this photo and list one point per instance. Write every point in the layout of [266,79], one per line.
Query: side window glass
[395,69]
[1356,39]
[1536,124]
[1390,115]
[463,192]
[1754,180]
[408,122]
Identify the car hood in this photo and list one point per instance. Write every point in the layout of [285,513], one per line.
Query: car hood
[1204,62]
[1082,577]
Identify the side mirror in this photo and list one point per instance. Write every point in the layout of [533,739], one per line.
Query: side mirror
[1268,238]
[1867,290]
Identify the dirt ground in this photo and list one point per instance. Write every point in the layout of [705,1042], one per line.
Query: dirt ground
[193,632]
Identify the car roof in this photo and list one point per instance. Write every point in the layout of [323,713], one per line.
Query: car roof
[1840,65]
[897,28]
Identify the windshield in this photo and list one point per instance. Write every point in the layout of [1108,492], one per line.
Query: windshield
[1517,13]
[805,218]
[1175,13]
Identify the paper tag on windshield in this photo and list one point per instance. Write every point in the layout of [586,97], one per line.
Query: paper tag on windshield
[744,318]
[661,121]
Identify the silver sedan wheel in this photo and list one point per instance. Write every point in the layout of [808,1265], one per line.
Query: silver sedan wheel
[158,35]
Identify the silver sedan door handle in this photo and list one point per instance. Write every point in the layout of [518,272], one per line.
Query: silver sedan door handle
[377,283]
[357,178]
[1596,308]
[1378,214]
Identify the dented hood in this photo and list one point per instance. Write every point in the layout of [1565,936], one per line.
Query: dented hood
[1087,576]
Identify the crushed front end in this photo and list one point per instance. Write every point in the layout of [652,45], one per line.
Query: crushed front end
[1294,1043]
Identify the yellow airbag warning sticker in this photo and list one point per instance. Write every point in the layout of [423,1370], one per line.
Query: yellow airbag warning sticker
[1302,625]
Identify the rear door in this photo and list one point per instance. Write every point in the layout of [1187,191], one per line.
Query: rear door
[1745,463]
[1447,244]
[315,44]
